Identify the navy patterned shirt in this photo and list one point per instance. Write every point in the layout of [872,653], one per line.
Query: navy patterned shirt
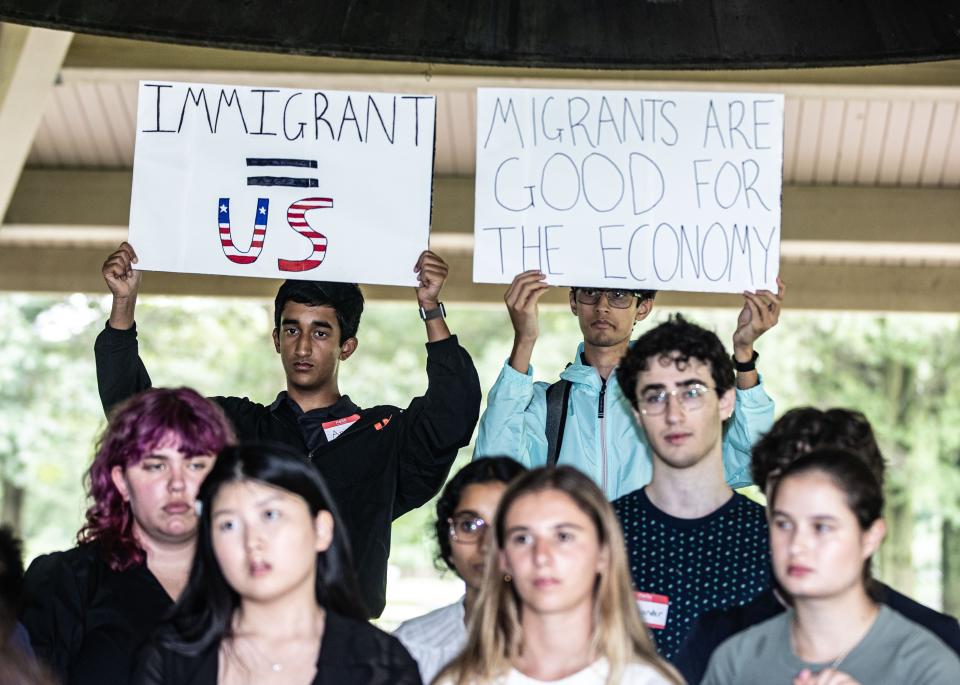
[719,560]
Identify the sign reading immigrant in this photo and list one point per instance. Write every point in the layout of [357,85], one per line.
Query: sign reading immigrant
[629,189]
[282,183]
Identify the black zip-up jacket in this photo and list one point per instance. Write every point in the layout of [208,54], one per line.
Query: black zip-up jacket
[388,462]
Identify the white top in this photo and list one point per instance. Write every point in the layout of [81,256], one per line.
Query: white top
[434,639]
[594,674]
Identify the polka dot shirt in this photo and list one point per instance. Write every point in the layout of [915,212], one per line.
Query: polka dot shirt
[718,561]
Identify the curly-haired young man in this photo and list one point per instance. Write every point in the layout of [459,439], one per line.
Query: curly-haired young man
[693,543]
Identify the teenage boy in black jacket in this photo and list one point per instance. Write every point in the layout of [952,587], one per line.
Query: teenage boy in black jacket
[379,462]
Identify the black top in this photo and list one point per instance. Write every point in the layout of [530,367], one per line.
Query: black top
[388,462]
[351,652]
[715,627]
[715,561]
[86,620]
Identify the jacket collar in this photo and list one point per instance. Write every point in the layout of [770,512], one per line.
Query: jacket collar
[342,407]
[580,373]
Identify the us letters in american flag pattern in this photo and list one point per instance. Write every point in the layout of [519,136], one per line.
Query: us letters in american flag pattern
[296,217]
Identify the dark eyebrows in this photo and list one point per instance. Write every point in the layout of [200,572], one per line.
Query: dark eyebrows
[815,517]
[682,384]
[466,512]
[260,503]
[316,323]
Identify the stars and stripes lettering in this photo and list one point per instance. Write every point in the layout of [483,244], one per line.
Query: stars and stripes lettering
[232,252]
[298,222]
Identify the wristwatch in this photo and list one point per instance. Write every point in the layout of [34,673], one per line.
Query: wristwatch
[438,312]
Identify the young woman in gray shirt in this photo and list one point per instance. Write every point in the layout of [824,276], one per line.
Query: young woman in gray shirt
[825,513]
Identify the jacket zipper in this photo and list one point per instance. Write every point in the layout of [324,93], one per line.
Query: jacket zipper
[603,436]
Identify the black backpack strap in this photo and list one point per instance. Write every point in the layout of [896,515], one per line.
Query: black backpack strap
[558,398]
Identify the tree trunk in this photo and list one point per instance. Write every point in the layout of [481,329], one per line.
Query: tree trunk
[950,567]
[11,511]
[896,553]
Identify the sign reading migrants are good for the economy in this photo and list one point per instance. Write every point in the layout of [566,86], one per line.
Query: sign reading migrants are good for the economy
[282,183]
[629,189]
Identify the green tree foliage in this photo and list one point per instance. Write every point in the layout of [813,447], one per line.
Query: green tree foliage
[903,372]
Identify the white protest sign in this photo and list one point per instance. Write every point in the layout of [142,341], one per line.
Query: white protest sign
[282,183]
[629,189]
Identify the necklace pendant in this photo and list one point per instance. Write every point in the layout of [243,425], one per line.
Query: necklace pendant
[276,668]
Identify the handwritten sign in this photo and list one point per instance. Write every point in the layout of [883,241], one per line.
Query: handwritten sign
[629,189]
[282,183]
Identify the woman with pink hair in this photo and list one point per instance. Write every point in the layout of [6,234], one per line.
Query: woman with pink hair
[88,609]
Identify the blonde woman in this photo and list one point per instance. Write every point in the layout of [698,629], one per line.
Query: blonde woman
[556,604]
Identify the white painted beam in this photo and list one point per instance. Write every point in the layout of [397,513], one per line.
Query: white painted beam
[30,59]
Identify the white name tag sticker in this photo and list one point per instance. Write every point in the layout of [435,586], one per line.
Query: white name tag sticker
[653,609]
[333,429]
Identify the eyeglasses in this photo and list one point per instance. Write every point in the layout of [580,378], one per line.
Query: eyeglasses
[618,299]
[467,528]
[690,397]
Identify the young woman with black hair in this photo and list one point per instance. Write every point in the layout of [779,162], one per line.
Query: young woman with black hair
[464,514]
[826,524]
[272,597]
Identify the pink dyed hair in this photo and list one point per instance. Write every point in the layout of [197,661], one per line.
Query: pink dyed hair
[159,416]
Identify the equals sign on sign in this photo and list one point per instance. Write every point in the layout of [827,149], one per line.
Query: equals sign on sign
[287,181]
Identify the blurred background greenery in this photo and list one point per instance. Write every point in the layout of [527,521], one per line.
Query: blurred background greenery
[902,371]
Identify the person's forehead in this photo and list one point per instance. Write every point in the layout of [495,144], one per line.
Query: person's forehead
[810,495]
[671,368]
[486,496]
[305,313]
[249,493]
[545,509]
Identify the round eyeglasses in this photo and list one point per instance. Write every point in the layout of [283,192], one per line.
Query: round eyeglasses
[691,397]
[618,299]
[467,528]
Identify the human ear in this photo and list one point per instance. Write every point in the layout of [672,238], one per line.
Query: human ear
[573,302]
[323,529]
[276,339]
[348,347]
[728,401]
[644,309]
[120,482]
[603,560]
[872,537]
[503,563]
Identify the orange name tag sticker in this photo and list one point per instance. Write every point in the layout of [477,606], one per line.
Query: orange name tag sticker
[653,609]
[333,429]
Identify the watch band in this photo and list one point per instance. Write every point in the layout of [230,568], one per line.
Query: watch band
[746,366]
[438,312]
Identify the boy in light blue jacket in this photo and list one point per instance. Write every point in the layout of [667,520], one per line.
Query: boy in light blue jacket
[597,432]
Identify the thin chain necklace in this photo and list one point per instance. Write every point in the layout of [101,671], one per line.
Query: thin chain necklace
[834,665]
[275,666]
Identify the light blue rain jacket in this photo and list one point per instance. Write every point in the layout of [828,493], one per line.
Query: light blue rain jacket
[612,449]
